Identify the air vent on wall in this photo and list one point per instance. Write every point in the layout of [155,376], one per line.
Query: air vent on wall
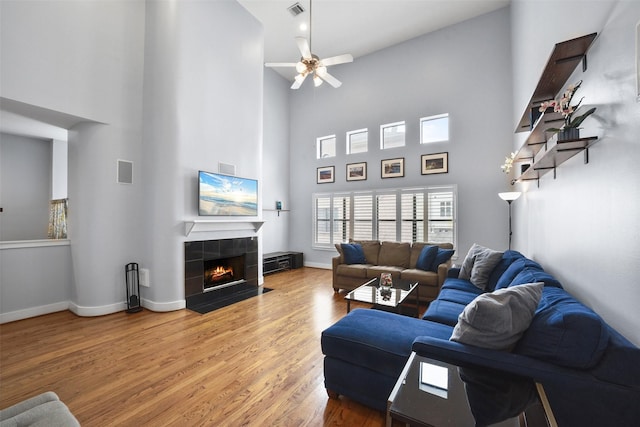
[295,9]
[125,172]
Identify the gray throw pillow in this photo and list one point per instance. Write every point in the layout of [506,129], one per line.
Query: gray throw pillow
[485,261]
[497,320]
[478,265]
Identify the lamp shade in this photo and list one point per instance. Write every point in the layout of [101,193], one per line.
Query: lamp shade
[509,196]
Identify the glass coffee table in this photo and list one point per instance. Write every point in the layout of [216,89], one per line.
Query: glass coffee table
[370,292]
[432,393]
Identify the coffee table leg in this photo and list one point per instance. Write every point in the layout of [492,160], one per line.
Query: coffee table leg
[348,306]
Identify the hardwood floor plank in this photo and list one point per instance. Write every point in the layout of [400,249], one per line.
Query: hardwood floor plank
[255,363]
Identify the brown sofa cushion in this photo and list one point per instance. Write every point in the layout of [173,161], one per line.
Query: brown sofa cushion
[371,248]
[394,254]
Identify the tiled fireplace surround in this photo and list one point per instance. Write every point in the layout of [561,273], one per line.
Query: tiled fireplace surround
[197,252]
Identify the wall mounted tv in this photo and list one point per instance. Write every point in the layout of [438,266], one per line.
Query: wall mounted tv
[226,195]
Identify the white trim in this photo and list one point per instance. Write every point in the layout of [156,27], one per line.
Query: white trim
[164,306]
[26,313]
[102,310]
[221,225]
[23,244]
[318,265]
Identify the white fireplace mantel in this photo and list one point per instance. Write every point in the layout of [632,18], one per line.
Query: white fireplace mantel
[220,225]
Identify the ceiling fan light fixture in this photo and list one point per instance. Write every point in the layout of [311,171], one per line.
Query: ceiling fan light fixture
[317,81]
[321,70]
[301,67]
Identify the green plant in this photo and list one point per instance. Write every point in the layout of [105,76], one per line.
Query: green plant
[564,107]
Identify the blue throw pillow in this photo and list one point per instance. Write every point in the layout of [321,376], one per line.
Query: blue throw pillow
[443,256]
[427,257]
[353,253]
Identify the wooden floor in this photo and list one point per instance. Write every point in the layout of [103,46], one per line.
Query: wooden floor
[255,363]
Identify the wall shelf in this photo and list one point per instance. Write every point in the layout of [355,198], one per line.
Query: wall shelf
[563,61]
[553,154]
[546,154]
[220,225]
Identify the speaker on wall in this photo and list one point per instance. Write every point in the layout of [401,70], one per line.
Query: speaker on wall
[226,168]
[125,172]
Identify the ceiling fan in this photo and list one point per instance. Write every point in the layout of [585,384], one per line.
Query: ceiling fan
[311,64]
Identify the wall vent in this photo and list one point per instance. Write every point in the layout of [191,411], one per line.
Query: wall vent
[125,172]
[295,9]
[226,168]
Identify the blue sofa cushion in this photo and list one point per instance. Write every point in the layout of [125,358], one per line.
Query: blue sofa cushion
[458,295]
[498,319]
[427,257]
[445,312]
[379,340]
[507,259]
[564,332]
[531,275]
[512,271]
[353,253]
[620,363]
[460,284]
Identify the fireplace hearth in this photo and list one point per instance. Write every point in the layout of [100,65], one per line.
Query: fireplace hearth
[214,269]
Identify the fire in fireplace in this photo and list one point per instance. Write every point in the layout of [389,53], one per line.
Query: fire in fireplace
[223,272]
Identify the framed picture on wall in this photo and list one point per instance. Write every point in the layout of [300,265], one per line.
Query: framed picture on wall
[357,171]
[435,163]
[326,174]
[392,168]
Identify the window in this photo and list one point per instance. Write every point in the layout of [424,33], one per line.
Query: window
[406,215]
[326,146]
[434,129]
[357,141]
[392,135]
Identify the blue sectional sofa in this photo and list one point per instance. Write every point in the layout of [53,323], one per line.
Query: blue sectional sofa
[590,372]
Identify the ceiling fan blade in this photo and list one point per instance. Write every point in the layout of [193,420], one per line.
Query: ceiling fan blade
[340,59]
[279,64]
[303,46]
[298,81]
[330,79]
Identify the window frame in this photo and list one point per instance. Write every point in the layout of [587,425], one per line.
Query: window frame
[422,222]
[390,125]
[319,145]
[356,132]
[430,118]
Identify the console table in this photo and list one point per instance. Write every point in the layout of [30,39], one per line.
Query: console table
[279,261]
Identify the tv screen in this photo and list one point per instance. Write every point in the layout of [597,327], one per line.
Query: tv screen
[226,195]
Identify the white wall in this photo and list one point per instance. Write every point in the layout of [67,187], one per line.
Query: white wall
[583,226]
[203,99]
[463,70]
[276,172]
[196,65]
[25,187]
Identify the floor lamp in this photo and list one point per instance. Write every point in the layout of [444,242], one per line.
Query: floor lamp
[509,197]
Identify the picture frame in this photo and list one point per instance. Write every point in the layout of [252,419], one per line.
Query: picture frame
[357,171]
[392,168]
[434,163]
[325,174]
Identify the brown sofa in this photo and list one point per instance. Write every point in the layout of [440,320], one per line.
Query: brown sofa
[396,258]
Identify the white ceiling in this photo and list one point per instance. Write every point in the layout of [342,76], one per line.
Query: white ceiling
[355,26]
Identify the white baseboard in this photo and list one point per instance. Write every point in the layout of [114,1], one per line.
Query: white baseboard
[163,306]
[12,316]
[101,310]
[318,265]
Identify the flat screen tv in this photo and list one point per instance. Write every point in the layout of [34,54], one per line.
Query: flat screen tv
[226,195]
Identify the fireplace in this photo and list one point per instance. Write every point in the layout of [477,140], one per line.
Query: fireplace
[222,272]
[216,268]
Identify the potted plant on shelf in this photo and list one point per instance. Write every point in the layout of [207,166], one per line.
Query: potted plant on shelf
[571,126]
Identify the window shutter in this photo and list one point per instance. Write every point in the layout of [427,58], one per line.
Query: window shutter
[386,214]
[363,216]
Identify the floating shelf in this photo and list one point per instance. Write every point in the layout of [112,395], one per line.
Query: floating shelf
[563,61]
[554,154]
[221,225]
